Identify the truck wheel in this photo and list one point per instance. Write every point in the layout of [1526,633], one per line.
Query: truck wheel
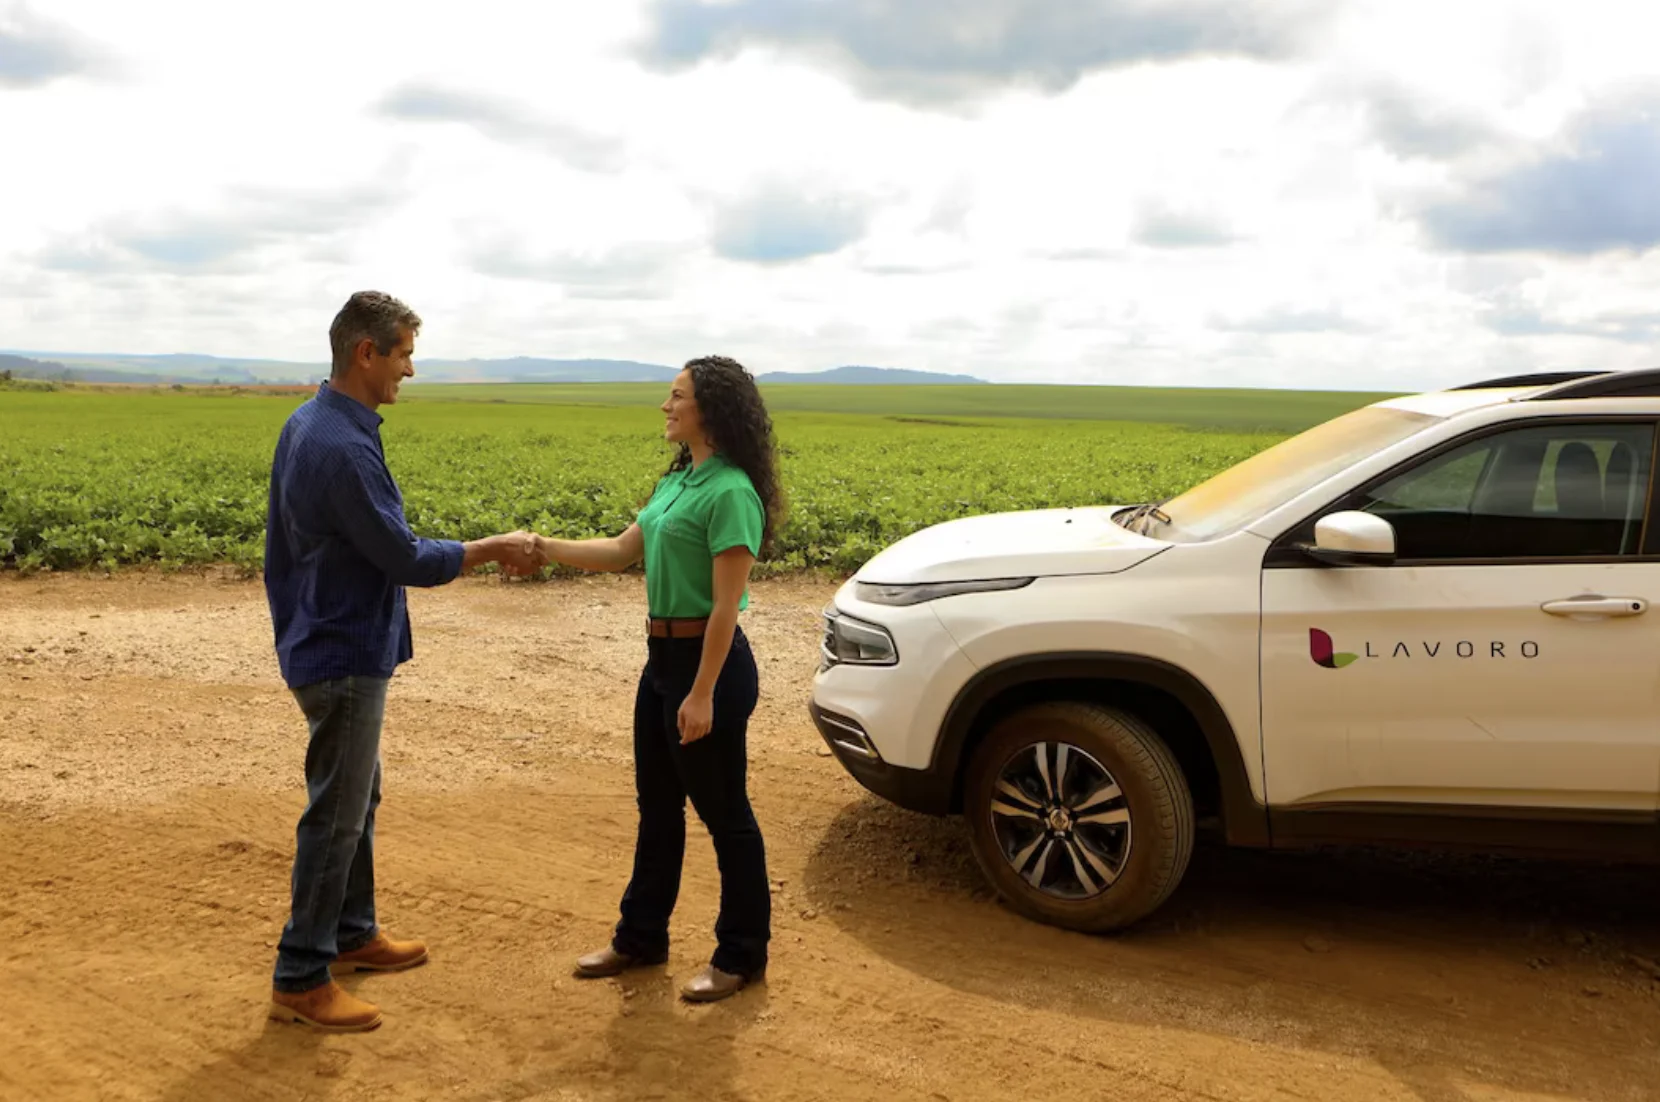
[1078,815]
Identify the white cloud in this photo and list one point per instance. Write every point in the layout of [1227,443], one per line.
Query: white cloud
[1366,193]
[781,223]
[951,52]
[1593,192]
[506,121]
[36,51]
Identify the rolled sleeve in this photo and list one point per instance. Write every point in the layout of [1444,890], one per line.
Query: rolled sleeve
[368,513]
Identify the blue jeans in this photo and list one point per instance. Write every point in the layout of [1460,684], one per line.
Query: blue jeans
[712,773]
[334,858]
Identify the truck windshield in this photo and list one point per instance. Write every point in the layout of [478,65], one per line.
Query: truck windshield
[1239,495]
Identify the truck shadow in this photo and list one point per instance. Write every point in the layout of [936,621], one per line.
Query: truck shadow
[1526,975]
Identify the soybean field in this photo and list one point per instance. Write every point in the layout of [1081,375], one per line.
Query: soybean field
[100,477]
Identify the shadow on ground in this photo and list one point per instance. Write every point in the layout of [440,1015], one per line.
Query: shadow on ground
[1529,975]
[653,1047]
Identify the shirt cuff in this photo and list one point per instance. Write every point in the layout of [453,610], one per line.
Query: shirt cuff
[454,553]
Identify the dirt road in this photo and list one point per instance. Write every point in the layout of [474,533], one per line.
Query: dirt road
[150,777]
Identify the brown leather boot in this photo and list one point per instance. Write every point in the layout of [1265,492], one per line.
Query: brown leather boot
[711,985]
[609,962]
[328,1008]
[381,954]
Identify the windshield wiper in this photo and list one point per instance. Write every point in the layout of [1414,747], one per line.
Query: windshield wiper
[1141,512]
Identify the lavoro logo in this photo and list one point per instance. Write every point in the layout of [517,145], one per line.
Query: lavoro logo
[1320,649]
[1325,653]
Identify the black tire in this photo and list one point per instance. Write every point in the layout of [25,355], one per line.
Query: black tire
[1147,826]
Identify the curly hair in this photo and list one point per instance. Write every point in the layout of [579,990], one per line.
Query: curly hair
[736,420]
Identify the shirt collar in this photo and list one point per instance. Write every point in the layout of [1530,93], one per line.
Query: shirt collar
[703,470]
[351,407]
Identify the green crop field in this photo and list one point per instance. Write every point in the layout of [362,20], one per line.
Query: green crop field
[99,477]
[1238,410]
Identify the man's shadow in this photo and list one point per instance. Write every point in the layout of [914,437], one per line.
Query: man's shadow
[279,1053]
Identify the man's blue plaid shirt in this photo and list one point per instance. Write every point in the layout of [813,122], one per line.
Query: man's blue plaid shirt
[338,552]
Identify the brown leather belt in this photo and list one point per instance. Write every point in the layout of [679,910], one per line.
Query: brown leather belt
[675,629]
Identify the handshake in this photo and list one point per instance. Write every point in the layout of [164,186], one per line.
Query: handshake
[519,553]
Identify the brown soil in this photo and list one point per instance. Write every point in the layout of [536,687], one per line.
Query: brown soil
[150,777]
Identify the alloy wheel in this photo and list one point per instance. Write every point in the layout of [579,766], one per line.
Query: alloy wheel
[1061,821]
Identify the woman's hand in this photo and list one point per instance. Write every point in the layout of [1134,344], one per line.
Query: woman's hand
[527,554]
[731,575]
[613,553]
[697,715]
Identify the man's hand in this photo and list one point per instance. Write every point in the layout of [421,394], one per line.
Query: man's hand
[515,551]
[519,554]
[697,715]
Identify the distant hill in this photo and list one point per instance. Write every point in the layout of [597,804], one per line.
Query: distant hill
[23,367]
[194,368]
[88,367]
[869,376]
[188,367]
[530,369]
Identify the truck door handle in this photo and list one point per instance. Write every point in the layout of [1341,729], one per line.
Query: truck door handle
[1594,607]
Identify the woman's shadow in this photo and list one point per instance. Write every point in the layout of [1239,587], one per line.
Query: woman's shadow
[655,1046]
[660,1047]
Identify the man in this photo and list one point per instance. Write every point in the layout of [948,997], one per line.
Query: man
[338,555]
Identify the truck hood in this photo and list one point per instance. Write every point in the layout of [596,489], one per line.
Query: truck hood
[1031,543]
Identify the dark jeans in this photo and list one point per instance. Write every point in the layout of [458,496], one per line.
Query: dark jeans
[711,771]
[334,858]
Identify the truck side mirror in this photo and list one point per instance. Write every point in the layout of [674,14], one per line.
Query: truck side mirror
[1352,538]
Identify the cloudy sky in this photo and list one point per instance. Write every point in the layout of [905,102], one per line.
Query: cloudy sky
[1315,193]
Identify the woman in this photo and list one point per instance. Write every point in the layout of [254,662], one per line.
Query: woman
[708,519]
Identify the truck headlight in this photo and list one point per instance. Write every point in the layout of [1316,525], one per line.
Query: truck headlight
[931,591]
[856,643]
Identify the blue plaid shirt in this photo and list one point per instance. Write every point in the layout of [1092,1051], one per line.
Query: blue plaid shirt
[338,552]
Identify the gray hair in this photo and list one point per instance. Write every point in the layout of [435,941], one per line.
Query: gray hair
[369,315]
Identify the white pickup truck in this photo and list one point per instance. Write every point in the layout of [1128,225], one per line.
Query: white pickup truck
[1424,621]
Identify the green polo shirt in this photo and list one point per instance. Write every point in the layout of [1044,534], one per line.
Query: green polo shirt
[694,514]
